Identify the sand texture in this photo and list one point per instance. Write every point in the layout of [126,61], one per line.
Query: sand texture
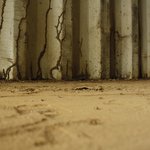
[104,115]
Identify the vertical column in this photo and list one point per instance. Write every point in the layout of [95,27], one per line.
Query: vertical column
[84,39]
[123,14]
[7,53]
[105,38]
[67,45]
[145,39]
[135,39]
[45,13]
[76,38]
[20,36]
[52,49]
[90,39]
[94,52]
[52,60]
[32,31]
[112,40]
[46,36]
[41,60]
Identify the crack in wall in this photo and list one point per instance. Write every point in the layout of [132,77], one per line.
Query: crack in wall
[120,37]
[59,30]
[19,76]
[67,68]
[80,47]
[6,73]
[116,38]
[2,14]
[39,72]
[84,71]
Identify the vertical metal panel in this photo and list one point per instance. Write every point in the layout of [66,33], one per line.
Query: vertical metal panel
[84,38]
[135,39]
[7,46]
[31,33]
[51,62]
[67,52]
[94,34]
[105,38]
[20,38]
[46,45]
[74,39]
[123,13]
[145,40]
[112,40]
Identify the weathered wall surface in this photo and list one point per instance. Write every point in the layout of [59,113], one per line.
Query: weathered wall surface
[74,39]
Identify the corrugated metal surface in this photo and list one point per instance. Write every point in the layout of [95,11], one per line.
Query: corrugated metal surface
[74,39]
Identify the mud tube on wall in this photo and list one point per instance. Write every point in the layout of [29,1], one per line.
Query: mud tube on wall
[74,39]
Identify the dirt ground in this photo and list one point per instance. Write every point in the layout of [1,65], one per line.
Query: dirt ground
[104,115]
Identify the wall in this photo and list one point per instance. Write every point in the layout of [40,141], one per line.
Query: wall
[74,39]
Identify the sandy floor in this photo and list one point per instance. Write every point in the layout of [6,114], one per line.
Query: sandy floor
[106,115]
